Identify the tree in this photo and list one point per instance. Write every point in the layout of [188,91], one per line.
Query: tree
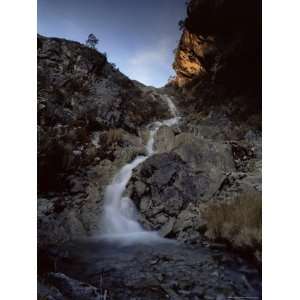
[92,41]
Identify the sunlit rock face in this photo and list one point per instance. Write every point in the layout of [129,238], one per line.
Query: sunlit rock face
[219,54]
[189,57]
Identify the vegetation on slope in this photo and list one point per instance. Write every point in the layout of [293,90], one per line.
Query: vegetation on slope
[237,222]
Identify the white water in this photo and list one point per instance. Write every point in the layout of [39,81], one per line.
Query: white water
[120,215]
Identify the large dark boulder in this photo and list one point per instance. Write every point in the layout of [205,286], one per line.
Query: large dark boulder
[169,187]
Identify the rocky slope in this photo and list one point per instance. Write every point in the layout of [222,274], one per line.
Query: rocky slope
[90,119]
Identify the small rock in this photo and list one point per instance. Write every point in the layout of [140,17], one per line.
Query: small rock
[167,228]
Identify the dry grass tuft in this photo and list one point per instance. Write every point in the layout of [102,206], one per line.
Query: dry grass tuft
[237,222]
[113,136]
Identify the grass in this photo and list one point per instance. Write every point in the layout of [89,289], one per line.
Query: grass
[113,136]
[237,222]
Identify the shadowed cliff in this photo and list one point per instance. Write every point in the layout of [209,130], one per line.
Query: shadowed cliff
[218,59]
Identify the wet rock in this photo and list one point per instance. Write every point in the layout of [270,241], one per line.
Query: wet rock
[167,228]
[48,292]
[73,289]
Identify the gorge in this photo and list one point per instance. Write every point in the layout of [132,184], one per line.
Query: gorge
[153,193]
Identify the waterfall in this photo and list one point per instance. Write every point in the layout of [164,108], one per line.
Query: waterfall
[120,215]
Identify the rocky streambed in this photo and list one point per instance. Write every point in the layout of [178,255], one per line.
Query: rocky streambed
[170,187]
[98,269]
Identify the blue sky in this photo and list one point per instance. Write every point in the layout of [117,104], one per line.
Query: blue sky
[138,35]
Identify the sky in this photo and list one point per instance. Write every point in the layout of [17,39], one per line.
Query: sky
[139,36]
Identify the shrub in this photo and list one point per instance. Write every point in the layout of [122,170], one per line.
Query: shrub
[237,222]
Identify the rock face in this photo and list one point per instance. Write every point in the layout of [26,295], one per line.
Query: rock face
[189,56]
[218,59]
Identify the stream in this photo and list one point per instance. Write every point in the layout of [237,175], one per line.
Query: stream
[119,220]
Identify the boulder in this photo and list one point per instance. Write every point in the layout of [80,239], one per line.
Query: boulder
[164,139]
[169,186]
[73,289]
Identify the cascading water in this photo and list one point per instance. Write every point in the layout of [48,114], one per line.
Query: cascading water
[120,216]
